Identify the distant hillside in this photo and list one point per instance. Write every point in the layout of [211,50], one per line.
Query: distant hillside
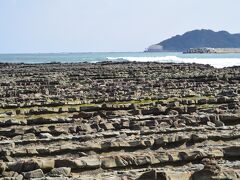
[198,39]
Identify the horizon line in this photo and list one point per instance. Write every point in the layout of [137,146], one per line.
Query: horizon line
[19,53]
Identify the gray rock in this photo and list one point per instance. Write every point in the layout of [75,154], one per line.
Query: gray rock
[22,166]
[38,173]
[45,135]
[2,167]
[62,171]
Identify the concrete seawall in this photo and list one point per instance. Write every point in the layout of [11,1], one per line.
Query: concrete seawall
[212,50]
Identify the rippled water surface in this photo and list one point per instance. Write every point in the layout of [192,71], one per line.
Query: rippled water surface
[217,60]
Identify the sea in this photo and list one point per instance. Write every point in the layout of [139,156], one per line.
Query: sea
[216,60]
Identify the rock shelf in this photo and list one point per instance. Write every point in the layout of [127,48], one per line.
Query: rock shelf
[119,121]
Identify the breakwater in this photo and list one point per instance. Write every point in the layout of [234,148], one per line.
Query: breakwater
[212,50]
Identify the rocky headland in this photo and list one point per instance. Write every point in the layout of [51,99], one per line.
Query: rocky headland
[224,41]
[119,121]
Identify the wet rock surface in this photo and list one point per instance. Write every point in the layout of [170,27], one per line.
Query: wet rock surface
[123,121]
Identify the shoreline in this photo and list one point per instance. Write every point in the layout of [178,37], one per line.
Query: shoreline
[216,64]
[216,60]
[212,51]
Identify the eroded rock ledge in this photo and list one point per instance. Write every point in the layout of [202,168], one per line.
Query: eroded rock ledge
[121,121]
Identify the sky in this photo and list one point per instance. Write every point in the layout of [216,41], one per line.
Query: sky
[51,26]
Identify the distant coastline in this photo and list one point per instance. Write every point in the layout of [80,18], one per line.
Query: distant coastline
[223,41]
[211,50]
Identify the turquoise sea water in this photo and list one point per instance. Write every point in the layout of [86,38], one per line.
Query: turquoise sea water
[217,60]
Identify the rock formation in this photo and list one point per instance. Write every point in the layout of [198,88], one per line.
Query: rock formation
[119,120]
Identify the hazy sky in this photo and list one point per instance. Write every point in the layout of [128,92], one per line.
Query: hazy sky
[28,26]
